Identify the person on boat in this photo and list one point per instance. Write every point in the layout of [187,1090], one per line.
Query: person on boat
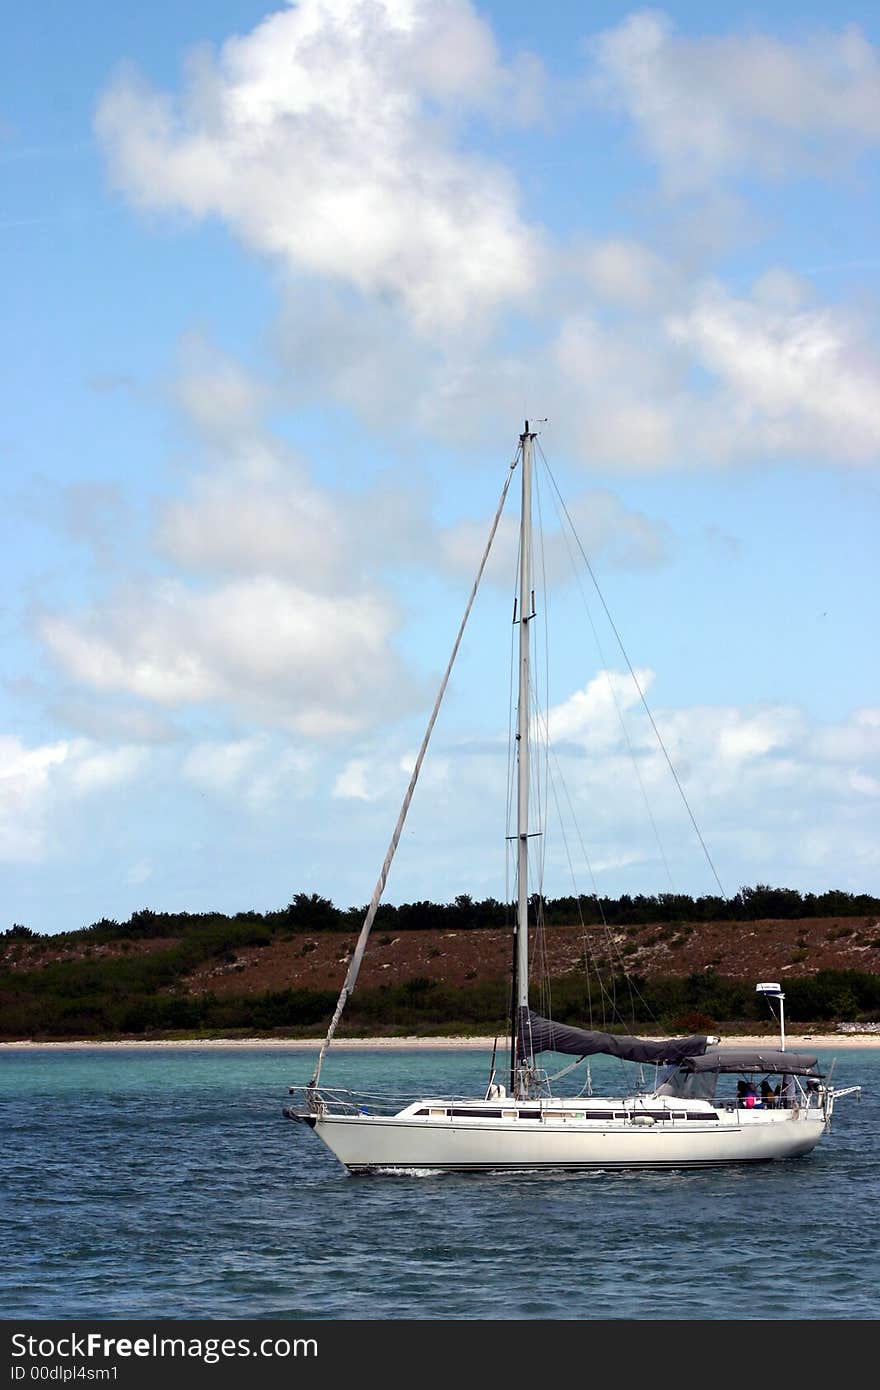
[747,1096]
[768,1095]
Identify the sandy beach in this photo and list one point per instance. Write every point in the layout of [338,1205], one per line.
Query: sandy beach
[815,1042]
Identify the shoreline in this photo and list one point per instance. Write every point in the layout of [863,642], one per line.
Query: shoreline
[823,1042]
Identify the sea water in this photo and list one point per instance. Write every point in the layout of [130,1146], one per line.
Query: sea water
[166,1184]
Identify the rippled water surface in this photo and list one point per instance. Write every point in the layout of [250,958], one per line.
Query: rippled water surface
[142,1184]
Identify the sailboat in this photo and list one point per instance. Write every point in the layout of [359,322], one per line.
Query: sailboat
[708,1106]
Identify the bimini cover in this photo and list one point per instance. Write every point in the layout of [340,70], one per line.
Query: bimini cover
[537,1034]
[748,1059]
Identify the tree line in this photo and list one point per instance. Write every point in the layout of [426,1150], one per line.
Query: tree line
[310,912]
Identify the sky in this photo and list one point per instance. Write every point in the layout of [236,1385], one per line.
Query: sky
[279,287]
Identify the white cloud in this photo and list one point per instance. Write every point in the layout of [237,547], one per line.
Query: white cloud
[352,782]
[856,740]
[220,766]
[106,721]
[24,780]
[379,774]
[625,272]
[761,764]
[220,398]
[139,872]
[739,103]
[256,771]
[95,771]
[720,380]
[280,618]
[255,509]
[713,747]
[96,515]
[778,796]
[361,353]
[590,716]
[614,537]
[696,376]
[791,378]
[318,138]
[614,392]
[751,736]
[861,782]
[624,390]
[259,512]
[279,523]
[272,649]
[36,781]
[332,137]
[699,377]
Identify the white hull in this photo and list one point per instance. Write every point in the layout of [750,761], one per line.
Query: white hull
[366,1142]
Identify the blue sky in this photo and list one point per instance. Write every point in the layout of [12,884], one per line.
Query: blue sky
[279,286]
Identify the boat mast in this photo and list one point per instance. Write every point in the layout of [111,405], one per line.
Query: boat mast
[526,613]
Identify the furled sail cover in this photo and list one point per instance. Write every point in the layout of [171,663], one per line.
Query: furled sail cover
[537,1034]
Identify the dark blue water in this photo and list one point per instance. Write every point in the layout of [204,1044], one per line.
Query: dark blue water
[147,1184]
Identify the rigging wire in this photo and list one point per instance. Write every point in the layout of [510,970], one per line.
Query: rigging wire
[542,785]
[618,710]
[511,777]
[613,961]
[541,770]
[612,953]
[635,994]
[543,742]
[635,679]
[590,956]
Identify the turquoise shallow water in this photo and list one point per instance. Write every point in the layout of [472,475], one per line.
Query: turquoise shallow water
[148,1184]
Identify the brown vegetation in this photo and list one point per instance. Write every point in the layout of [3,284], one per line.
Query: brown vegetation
[746,951]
